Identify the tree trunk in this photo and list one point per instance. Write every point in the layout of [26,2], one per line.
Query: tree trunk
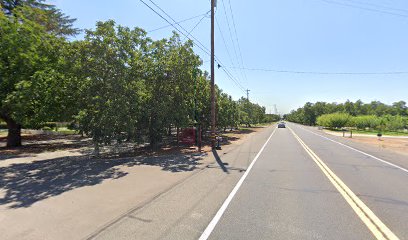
[178,135]
[155,134]
[14,133]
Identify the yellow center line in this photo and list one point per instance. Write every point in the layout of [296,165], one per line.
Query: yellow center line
[374,224]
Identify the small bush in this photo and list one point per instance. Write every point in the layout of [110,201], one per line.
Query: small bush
[334,120]
[365,121]
[394,123]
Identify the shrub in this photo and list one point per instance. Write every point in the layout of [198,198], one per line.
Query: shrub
[334,120]
[394,123]
[365,121]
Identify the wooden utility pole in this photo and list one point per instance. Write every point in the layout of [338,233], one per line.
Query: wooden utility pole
[212,78]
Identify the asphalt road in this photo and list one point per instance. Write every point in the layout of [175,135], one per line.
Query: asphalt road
[293,183]
[287,196]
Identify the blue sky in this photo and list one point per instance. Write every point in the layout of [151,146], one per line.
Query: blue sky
[294,35]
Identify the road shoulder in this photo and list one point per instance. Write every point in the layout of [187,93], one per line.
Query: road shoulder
[64,195]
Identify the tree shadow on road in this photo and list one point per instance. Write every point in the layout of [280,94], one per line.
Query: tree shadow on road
[24,184]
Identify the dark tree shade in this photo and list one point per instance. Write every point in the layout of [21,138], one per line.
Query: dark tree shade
[47,15]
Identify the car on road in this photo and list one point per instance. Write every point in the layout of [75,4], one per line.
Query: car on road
[281,125]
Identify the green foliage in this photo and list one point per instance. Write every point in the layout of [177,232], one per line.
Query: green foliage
[135,86]
[250,113]
[115,85]
[269,118]
[394,122]
[365,121]
[309,113]
[334,120]
[112,90]
[26,49]
[31,46]
[44,14]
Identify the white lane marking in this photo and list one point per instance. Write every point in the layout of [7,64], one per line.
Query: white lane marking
[367,154]
[217,217]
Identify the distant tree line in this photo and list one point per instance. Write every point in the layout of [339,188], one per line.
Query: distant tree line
[373,115]
[116,84]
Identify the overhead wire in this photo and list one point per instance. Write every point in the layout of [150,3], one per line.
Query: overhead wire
[198,23]
[181,21]
[237,39]
[325,73]
[378,5]
[233,79]
[231,37]
[178,30]
[199,45]
[202,45]
[226,46]
[364,8]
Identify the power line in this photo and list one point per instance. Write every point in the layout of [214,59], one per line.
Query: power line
[364,8]
[201,46]
[231,37]
[237,39]
[226,46]
[198,23]
[378,5]
[181,21]
[165,19]
[233,79]
[324,73]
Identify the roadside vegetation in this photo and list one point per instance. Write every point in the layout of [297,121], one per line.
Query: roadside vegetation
[374,117]
[115,85]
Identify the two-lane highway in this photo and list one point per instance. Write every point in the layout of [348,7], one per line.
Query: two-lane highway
[304,186]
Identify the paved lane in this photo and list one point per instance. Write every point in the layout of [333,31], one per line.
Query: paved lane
[185,210]
[382,187]
[286,196]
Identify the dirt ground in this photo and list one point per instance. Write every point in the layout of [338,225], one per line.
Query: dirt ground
[36,144]
[399,145]
[53,171]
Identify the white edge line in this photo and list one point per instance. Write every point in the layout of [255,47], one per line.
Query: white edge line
[217,217]
[369,155]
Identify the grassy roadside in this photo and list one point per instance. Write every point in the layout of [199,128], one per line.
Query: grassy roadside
[62,130]
[374,132]
[386,133]
[65,131]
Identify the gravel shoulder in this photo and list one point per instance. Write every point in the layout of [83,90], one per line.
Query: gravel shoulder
[397,144]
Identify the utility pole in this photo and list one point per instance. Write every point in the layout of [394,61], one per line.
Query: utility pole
[212,78]
[247,91]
